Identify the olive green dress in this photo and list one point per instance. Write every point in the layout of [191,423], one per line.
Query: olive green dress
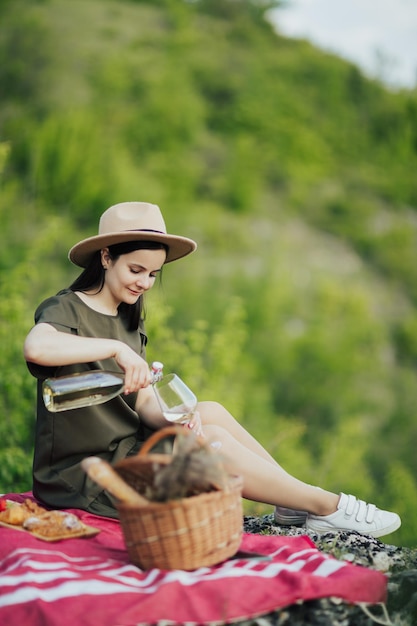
[111,430]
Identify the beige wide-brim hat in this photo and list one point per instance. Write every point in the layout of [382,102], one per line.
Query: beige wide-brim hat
[131,221]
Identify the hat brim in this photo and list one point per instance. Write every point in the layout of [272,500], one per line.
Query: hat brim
[178,247]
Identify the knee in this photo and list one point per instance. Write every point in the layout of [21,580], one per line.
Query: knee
[210,406]
[211,412]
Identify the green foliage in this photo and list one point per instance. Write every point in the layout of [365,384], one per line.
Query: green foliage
[58,175]
[24,60]
[295,174]
[208,359]
[401,495]
[16,466]
[17,388]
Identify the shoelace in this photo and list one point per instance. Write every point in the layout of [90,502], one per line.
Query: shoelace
[361,510]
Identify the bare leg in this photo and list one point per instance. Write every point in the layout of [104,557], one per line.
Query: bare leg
[214,413]
[264,479]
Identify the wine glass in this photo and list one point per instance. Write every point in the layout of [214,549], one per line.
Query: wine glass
[176,400]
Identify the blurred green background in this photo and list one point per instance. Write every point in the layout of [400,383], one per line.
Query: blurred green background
[295,174]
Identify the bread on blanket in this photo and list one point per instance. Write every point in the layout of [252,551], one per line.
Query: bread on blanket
[53,524]
[17,513]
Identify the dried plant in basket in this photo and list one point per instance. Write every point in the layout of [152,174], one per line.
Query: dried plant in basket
[195,468]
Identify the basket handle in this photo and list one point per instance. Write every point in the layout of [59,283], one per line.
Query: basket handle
[168,431]
[104,475]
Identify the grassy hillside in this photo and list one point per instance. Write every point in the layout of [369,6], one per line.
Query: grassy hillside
[295,174]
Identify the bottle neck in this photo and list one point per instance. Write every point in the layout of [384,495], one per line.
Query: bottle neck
[156,372]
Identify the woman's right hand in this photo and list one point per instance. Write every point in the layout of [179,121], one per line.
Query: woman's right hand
[45,345]
[136,369]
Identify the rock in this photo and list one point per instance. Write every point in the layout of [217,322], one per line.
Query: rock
[399,564]
[402,595]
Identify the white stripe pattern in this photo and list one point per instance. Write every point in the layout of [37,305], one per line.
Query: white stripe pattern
[51,575]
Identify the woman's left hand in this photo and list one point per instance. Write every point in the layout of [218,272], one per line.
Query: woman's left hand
[195,425]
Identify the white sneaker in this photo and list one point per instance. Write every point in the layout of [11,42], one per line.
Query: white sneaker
[289,517]
[355,515]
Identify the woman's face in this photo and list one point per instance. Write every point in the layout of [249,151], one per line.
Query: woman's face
[130,275]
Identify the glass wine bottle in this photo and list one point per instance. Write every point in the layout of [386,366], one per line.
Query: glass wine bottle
[87,388]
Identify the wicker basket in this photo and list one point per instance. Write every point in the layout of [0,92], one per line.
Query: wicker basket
[189,533]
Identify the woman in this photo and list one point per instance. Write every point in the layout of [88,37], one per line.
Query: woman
[98,324]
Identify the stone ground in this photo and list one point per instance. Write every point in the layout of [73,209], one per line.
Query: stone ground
[399,564]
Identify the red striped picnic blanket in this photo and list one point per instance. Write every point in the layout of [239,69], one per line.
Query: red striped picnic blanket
[90,582]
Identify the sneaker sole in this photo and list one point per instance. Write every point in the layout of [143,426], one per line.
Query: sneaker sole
[296,520]
[378,532]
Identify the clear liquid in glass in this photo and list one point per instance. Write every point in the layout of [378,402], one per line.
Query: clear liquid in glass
[177,417]
[176,400]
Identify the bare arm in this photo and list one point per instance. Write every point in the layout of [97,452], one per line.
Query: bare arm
[45,345]
[148,409]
